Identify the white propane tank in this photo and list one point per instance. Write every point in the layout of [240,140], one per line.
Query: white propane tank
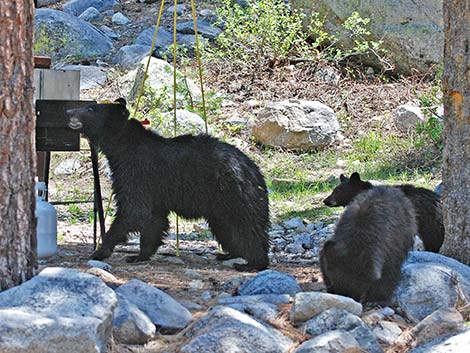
[47,223]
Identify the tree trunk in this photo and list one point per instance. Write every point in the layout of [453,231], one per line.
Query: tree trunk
[17,127]
[456,174]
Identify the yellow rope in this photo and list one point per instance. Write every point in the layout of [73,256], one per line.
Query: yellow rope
[141,90]
[154,40]
[174,110]
[199,66]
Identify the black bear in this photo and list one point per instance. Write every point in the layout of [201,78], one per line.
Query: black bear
[194,176]
[426,203]
[372,238]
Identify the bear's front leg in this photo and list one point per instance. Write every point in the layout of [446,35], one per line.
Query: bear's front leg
[115,235]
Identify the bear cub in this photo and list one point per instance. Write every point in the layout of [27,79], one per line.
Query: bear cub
[372,239]
[426,203]
[193,176]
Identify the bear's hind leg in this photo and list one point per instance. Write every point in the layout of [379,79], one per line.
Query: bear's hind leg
[151,238]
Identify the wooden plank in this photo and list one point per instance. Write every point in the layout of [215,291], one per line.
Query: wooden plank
[42,62]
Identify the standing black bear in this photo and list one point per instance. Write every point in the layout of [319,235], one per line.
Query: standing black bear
[194,176]
[426,203]
[372,239]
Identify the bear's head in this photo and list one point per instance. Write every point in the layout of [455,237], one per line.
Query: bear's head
[97,119]
[347,190]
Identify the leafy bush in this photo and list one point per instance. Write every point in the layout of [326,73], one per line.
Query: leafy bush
[267,32]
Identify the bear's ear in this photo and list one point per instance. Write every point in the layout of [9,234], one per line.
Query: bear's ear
[343,178]
[355,177]
[121,101]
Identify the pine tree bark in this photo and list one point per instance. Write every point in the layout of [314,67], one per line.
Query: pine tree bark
[17,127]
[456,173]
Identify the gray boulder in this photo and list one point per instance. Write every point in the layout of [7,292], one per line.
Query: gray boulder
[186,123]
[411,31]
[330,342]
[451,344]
[90,14]
[130,56]
[270,282]
[61,35]
[164,41]
[204,28]
[408,116]
[59,310]
[426,288]
[76,7]
[166,313]
[431,282]
[225,330]
[131,325]
[160,80]
[164,38]
[309,304]
[440,323]
[42,3]
[264,311]
[265,298]
[90,77]
[296,124]
[425,257]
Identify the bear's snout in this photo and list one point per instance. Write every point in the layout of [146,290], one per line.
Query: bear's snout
[74,121]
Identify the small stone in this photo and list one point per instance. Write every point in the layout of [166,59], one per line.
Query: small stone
[90,14]
[120,19]
[109,32]
[206,295]
[131,325]
[190,305]
[266,298]
[105,276]
[192,273]
[207,13]
[174,260]
[231,262]
[387,332]
[270,282]
[165,312]
[264,311]
[196,284]
[372,317]
[294,249]
[330,342]
[99,264]
[293,223]
[180,9]
[68,166]
[309,304]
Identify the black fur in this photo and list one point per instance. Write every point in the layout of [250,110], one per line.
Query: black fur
[372,239]
[194,176]
[426,203]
